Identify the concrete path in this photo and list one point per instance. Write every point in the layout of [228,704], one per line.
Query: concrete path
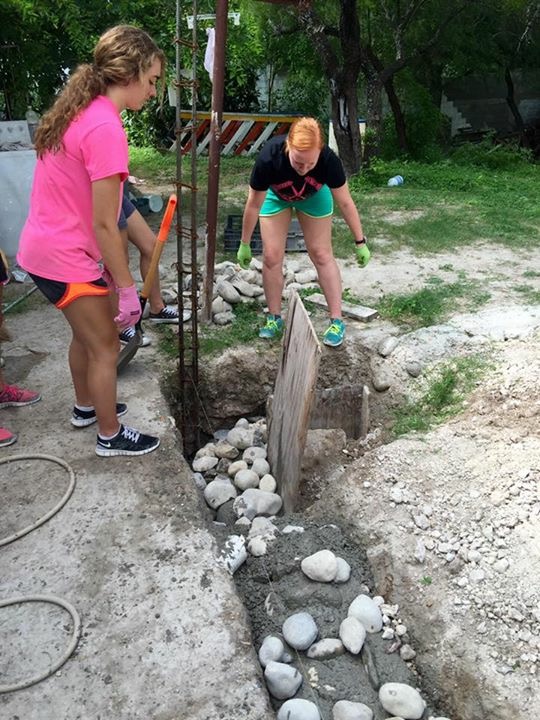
[164,635]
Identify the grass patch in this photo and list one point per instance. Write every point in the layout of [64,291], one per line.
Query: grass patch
[243,331]
[444,395]
[349,297]
[531,274]
[430,304]
[461,200]
[530,295]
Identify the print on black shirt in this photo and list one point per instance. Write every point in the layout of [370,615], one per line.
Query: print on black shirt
[274,170]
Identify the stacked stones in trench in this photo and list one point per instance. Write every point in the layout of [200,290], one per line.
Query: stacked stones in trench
[233,286]
[348,657]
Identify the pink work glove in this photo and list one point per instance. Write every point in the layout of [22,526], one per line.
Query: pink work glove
[129,307]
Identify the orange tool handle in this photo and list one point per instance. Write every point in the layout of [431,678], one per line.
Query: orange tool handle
[158,247]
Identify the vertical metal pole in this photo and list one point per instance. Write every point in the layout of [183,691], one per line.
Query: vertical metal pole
[218,82]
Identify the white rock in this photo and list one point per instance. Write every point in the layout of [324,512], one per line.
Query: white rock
[363,608]
[236,466]
[403,700]
[257,547]
[245,479]
[292,528]
[343,571]
[272,648]
[254,502]
[345,710]
[245,288]
[206,450]
[240,437]
[263,527]
[326,648]
[224,318]
[229,293]
[306,276]
[218,492]
[298,709]
[199,481]
[300,630]
[282,680]
[219,305]
[261,466]
[387,346]
[352,634]
[253,452]
[204,463]
[321,566]
[406,652]
[225,450]
[268,483]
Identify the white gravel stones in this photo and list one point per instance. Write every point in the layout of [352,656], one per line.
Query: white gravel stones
[326,648]
[402,700]
[218,492]
[254,502]
[300,630]
[233,554]
[282,680]
[268,483]
[352,634]
[406,652]
[363,608]
[345,710]
[205,463]
[298,709]
[321,566]
[240,437]
[272,649]
[245,479]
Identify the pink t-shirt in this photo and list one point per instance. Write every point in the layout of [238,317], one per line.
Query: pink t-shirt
[58,240]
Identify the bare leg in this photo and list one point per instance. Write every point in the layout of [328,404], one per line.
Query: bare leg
[274,231]
[92,358]
[142,236]
[318,238]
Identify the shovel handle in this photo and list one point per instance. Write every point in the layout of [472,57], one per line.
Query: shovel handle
[158,247]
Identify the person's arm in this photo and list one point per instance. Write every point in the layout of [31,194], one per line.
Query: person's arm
[253,205]
[342,197]
[105,198]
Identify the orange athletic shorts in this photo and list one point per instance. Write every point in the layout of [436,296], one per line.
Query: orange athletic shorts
[61,294]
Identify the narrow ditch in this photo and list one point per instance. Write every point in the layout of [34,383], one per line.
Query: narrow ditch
[329,672]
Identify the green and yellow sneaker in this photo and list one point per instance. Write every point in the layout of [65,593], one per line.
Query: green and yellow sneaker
[273,328]
[334,333]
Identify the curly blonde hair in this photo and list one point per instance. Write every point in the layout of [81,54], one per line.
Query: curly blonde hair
[305,134]
[123,53]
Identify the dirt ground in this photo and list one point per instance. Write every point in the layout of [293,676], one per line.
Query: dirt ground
[467,492]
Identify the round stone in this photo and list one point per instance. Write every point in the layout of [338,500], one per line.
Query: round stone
[403,700]
[300,630]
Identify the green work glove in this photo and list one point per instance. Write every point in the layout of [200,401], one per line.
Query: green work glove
[244,255]
[362,254]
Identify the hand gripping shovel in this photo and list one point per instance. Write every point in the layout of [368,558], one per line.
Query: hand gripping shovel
[130,349]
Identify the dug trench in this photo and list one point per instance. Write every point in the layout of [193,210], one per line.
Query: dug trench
[438,528]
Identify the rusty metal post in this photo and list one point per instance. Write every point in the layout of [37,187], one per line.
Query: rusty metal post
[218,82]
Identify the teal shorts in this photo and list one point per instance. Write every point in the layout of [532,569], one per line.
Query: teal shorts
[318,205]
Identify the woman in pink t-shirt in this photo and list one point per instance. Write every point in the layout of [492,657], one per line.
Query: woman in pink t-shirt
[72,226]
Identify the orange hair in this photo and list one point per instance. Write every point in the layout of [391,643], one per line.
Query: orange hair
[305,134]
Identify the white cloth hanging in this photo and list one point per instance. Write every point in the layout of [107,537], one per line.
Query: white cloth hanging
[209,54]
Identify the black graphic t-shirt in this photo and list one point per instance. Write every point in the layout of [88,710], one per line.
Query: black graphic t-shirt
[274,170]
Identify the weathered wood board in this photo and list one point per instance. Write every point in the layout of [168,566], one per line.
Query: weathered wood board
[358,312]
[294,393]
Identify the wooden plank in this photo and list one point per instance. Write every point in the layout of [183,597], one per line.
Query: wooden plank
[237,137]
[358,312]
[263,137]
[339,407]
[293,398]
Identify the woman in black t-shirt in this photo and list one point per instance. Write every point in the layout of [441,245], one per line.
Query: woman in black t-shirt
[299,172]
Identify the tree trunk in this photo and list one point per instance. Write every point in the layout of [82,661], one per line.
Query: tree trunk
[399,117]
[345,122]
[511,102]
[374,117]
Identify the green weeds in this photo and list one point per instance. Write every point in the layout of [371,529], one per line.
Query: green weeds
[443,397]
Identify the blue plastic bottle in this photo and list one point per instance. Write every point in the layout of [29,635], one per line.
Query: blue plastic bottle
[396,180]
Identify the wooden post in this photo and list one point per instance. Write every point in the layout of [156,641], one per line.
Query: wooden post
[293,398]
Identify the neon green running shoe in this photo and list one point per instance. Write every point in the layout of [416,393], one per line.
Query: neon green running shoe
[273,328]
[334,333]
